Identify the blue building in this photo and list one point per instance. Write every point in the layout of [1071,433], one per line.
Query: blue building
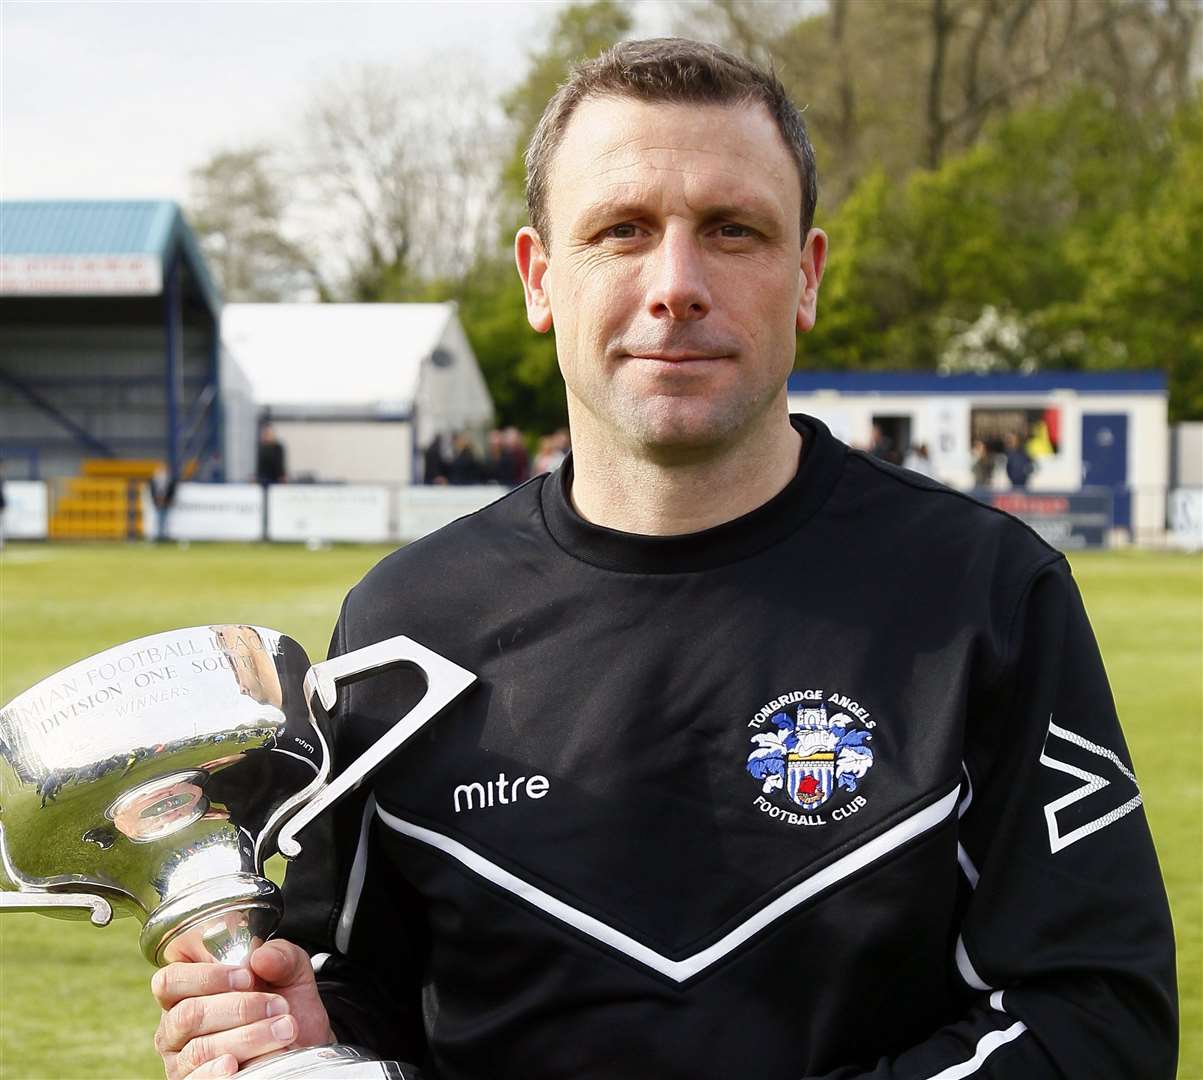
[1097,431]
[111,339]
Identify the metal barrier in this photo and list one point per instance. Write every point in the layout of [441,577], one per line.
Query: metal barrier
[118,509]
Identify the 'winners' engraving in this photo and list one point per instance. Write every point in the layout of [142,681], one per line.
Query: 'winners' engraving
[132,681]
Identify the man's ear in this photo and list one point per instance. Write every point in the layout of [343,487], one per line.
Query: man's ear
[814,259]
[532,268]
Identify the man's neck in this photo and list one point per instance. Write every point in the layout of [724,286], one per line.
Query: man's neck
[619,487]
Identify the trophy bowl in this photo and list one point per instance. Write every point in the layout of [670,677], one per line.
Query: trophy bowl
[156,778]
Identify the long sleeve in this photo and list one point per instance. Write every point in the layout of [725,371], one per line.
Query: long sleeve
[1065,949]
[362,925]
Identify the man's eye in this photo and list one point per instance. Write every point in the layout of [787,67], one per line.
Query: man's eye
[625,231]
[734,232]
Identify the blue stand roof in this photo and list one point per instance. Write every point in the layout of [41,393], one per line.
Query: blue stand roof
[108,227]
[929,382]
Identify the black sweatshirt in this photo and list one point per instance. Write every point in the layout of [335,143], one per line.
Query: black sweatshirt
[833,790]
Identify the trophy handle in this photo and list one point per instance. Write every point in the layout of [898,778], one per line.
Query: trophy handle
[101,910]
[445,681]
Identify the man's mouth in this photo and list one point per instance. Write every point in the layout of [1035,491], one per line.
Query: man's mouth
[678,357]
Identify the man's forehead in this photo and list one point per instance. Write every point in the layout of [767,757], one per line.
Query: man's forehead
[609,139]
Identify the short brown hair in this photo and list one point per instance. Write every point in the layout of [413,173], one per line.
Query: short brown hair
[673,71]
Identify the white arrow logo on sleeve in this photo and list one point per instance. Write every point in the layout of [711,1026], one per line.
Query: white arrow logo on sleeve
[1091,783]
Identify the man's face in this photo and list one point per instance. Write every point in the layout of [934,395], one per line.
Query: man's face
[676,276]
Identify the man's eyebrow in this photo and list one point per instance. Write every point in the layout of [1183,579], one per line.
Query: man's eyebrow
[612,210]
[757,211]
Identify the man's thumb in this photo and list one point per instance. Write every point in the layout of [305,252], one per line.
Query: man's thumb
[281,963]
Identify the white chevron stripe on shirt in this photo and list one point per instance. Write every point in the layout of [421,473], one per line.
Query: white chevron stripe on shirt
[985,1047]
[909,828]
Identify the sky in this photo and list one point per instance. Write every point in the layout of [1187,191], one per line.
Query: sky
[121,100]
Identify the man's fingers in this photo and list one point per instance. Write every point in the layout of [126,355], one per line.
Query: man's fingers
[214,1022]
[225,1065]
[220,1012]
[242,1043]
[281,963]
[175,982]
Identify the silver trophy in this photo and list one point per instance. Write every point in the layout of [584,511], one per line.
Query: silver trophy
[156,778]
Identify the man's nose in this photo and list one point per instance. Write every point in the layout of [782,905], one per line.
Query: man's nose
[677,286]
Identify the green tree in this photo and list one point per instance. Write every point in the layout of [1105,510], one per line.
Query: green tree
[518,364]
[871,289]
[989,260]
[906,85]
[581,31]
[1143,303]
[1017,220]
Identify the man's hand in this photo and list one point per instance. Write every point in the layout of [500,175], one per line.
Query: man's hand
[216,1017]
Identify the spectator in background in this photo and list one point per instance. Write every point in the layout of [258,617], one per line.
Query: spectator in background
[494,466]
[464,466]
[879,445]
[919,460]
[508,461]
[515,455]
[434,462]
[2,505]
[551,453]
[1019,463]
[983,465]
[162,494]
[882,446]
[270,467]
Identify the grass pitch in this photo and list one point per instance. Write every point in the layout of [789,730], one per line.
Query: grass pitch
[74,1001]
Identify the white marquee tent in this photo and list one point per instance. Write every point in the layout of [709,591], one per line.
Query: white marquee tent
[355,391]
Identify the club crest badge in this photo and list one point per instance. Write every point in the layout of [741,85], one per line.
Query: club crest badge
[809,749]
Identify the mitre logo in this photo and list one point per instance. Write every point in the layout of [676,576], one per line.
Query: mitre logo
[810,751]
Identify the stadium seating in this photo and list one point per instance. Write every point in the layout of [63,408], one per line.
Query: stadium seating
[103,504]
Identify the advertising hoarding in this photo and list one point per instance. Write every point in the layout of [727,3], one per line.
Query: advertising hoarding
[210,512]
[351,513]
[26,511]
[1066,519]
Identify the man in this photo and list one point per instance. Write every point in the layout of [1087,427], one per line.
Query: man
[464,467]
[163,488]
[515,461]
[708,813]
[1019,464]
[434,470]
[270,467]
[983,464]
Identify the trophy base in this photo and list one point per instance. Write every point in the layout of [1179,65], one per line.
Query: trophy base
[337,1060]
[225,917]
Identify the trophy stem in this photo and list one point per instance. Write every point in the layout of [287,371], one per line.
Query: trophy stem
[225,919]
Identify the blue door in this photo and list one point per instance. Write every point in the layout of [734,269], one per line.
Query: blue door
[1105,459]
